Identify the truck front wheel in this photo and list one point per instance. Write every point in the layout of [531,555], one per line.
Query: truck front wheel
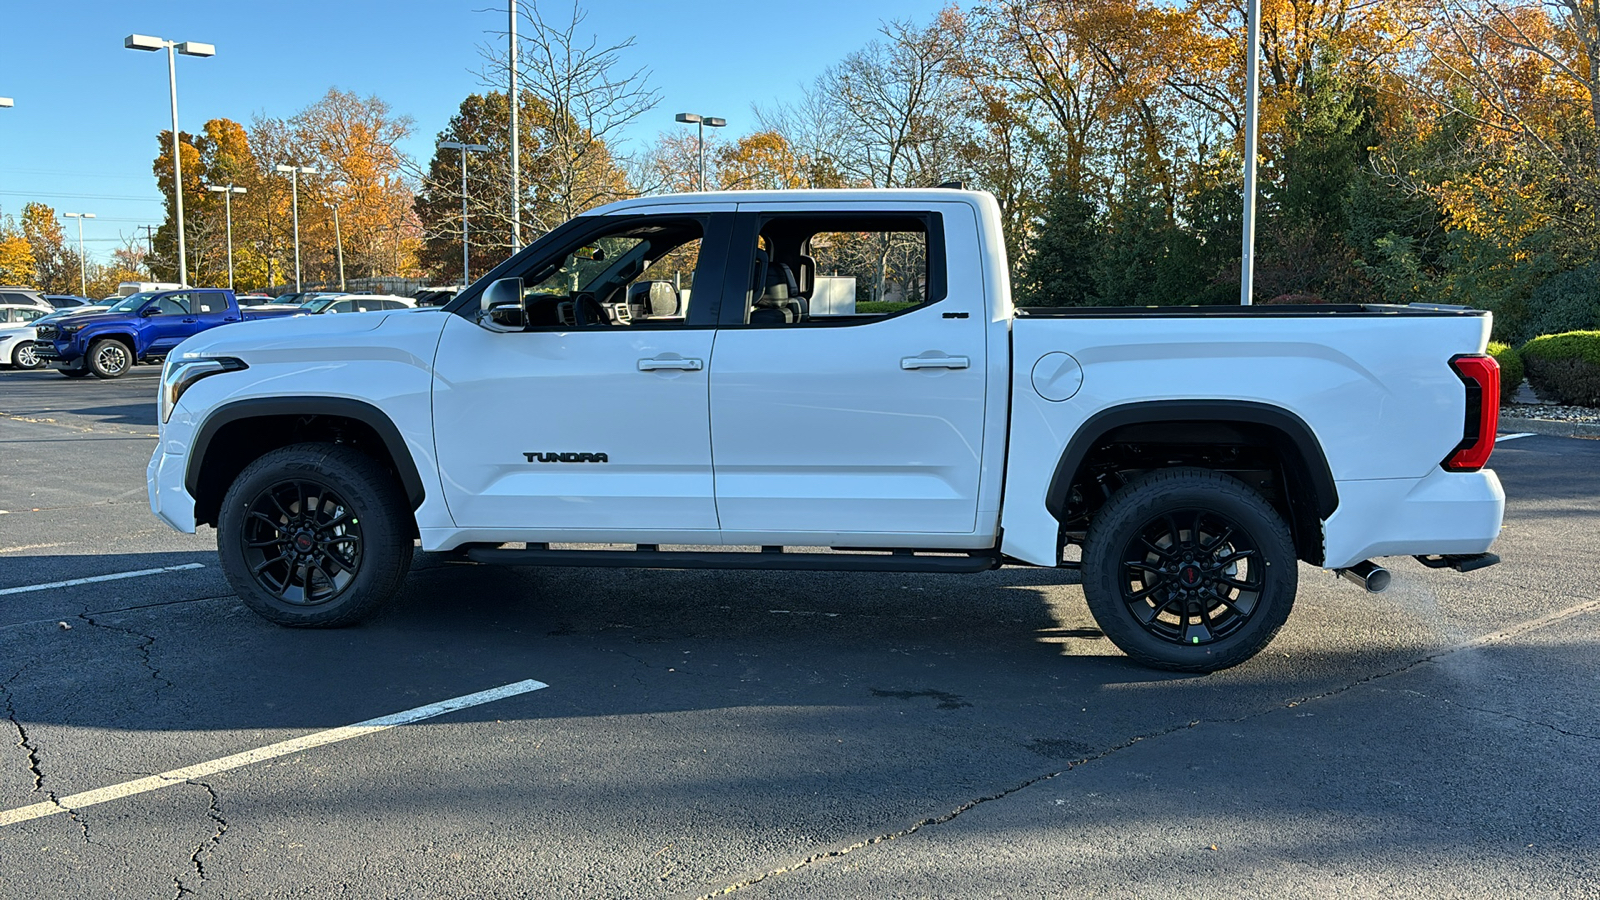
[314,536]
[109,358]
[1189,570]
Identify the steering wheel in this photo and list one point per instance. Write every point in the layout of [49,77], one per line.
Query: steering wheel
[587,311]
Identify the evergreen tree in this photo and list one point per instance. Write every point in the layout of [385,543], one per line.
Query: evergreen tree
[1060,269]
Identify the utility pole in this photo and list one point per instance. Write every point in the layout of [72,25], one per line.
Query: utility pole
[83,277]
[516,173]
[227,193]
[338,241]
[1252,88]
[150,248]
[466,264]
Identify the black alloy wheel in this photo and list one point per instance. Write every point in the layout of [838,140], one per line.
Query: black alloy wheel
[1191,576]
[1189,570]
[302,542]
[315,535]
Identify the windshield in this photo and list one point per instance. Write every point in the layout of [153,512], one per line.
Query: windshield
[318,304]
[130,303]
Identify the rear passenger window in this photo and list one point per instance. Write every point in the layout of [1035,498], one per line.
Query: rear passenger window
[844,268]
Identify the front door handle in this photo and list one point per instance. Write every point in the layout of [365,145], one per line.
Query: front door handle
[673,362]
[935,362]
[190,321]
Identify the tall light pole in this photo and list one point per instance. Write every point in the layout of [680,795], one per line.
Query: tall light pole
[227,193]
[516,172]
[702,121]
[1252,88]
[187,48]
[294,203]
[466,266]
[338,241]
[83,277]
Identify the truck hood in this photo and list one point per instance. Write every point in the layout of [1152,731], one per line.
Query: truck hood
[87,320]
[288,338]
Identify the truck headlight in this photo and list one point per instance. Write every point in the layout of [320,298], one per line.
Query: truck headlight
[180,375]
[67,331]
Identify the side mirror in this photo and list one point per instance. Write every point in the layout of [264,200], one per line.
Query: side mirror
[149,311]
[500,306]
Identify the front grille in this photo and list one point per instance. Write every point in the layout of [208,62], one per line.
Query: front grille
[47,332]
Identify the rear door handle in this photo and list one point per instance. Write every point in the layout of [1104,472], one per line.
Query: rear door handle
[935,362]
[686,365]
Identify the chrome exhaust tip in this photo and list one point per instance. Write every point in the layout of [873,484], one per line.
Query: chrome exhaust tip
[1373,577]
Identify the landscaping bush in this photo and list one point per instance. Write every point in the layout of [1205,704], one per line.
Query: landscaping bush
[1566,302]
[1565,368]
[1511,373]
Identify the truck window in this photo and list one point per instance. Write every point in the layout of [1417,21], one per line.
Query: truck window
[640,275]
[836,269]
[173,305]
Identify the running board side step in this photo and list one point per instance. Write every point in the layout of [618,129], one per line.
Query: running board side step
[768,558]
[1461,562]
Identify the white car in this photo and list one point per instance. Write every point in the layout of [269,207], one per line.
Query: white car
[1186,459]
[346,303]
[17,323]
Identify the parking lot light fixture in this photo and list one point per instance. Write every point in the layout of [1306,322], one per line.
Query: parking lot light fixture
[187,48]
[83,277]
[294,173]
[702,122]
[466,265]
[5,103]
[227,192]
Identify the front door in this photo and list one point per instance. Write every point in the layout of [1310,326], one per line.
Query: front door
[864,414]
[587,422]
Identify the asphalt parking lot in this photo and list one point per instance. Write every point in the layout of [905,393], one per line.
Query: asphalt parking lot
[773,735]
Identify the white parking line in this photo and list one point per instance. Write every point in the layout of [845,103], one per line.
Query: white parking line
[73,802]
[112,577]
[1512,437]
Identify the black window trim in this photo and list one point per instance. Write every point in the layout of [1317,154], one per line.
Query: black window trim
[716,237]
[747,231]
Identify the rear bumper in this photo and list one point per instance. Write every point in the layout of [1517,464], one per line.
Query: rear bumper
[1442,513]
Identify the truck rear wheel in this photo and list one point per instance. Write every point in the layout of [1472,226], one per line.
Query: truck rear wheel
[1189,570]
[314,536]
[109,358]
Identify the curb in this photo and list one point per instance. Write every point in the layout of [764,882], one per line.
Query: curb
[1552,427]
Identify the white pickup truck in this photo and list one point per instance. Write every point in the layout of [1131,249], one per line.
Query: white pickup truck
[1185,458]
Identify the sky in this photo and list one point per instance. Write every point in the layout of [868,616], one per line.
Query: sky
[82,135]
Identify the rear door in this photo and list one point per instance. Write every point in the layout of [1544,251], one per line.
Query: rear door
[864,421]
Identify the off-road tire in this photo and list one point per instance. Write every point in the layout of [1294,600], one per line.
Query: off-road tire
[1188,495]
[375,505]
[110,358]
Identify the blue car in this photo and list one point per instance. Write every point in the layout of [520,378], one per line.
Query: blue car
[140,328]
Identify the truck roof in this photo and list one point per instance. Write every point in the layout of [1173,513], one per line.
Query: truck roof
[828,195]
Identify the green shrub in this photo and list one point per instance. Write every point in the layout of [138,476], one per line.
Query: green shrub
[1566,302]
[1565,368]
[880,306]
[1511,373]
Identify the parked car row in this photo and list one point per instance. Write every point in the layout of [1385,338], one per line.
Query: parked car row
[108,339]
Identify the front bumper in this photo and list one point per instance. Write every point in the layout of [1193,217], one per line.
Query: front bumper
[164,480]
[60,355]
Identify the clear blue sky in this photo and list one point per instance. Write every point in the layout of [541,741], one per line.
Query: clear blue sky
[82,135]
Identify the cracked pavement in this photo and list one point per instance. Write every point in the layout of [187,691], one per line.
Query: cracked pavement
[779,734]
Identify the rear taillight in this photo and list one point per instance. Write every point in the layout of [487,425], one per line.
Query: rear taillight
[1481,375]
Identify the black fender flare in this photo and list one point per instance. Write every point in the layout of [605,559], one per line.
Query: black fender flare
[345,407]
[1313,463]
